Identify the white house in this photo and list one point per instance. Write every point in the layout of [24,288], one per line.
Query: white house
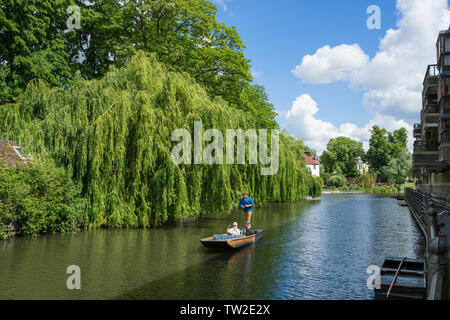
[312,164]
[363,167]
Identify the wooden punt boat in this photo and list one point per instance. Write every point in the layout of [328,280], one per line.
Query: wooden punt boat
[408,282]
[234,243]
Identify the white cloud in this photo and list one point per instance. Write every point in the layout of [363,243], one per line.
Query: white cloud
[392,79]
[256,74]
[301,122]
[222,3]
[331,64]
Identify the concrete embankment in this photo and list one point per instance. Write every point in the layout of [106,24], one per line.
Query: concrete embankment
[434,223]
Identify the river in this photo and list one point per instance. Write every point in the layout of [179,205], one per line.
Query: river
[311,249]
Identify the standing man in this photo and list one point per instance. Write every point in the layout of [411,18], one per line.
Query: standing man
[247,204]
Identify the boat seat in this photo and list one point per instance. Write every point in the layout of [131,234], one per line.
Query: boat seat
[226,237]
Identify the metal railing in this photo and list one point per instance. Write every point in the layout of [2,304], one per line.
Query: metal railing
[432,108]
[424,208]
[416,200]
[426,146]
[432,71]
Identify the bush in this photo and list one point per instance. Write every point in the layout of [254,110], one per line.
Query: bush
[38,198]
[383,189]
[336,181]
[367,180]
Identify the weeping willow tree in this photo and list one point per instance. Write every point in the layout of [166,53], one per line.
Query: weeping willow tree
[113,136]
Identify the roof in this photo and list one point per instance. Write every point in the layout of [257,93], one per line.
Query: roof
[310,161]
[8,153]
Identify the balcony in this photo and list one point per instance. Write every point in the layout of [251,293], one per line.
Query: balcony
[417,130]
[444,146]
[426,153]
[431,79]
[426,146]
[430,115]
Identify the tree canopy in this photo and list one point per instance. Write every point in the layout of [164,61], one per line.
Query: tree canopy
[340,156]
[398,168]
[114,137]
[32,45]
[388,152]
[184,35]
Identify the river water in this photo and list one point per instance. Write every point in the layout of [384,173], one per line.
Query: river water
[311,249]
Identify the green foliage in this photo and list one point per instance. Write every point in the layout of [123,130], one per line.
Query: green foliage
[38,198]
[341,155]
[367,180]
[378,154]
[320,181]
[114,137]
[336,181]
[388,155]
[32,44]
[184,35]
[255,100]
[398,168]
[398,141]
[383,190]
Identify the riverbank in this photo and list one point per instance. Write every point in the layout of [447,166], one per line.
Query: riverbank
[341,192]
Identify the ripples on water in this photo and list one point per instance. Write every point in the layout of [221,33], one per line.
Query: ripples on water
[315,249]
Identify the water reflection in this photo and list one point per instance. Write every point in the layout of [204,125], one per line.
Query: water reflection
[316,249]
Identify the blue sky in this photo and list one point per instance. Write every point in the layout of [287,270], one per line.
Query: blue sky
[278,34]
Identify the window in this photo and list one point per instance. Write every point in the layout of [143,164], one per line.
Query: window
[446,60]
[447,43]
[446,87]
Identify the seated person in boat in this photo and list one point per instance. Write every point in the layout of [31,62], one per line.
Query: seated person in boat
[249,230]
[234,231]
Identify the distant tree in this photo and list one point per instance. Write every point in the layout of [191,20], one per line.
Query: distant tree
[337,181]
[398,168]
[340,156]
[378,154]
[388,155]
[398,141]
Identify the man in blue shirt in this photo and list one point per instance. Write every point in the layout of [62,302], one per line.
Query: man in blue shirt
[247,204]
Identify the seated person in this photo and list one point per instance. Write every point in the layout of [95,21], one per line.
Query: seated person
[234,231]
[249,230]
